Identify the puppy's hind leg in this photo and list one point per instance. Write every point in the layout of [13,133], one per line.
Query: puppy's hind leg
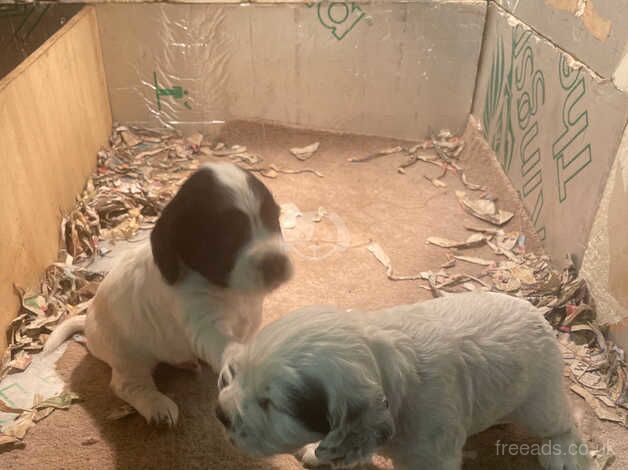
[437,447]
[427,459]
[139,391]
[546,414]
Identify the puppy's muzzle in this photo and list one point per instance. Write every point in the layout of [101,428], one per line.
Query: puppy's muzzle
[275,268]
[222,417]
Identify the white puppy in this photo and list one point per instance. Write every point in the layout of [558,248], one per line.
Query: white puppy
[411,381]
[213,255]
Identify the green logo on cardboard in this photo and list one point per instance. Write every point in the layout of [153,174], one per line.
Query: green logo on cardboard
[339,17]
[497,120]
[176,92]
[514,95]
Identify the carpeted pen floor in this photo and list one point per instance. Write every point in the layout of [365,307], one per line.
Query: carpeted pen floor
[365,202]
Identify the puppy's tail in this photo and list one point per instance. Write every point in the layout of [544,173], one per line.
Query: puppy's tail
[64,331]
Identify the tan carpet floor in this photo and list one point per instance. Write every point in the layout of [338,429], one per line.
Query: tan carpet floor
[369,201]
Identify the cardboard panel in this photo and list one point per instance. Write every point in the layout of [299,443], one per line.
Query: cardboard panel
[605,265]
[393,69]
[54,116]
[594,31]
[554,126]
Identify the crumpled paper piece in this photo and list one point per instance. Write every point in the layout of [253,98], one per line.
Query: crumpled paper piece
[19,390]
[288,216]
[305,153]
[484,209]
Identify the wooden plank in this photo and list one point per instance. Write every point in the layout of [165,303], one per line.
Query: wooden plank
[54,116]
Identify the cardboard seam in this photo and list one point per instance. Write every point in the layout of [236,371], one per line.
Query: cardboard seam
[578,63]
[480,58]
[101,58]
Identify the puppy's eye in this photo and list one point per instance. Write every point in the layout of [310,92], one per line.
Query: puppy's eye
[264,403]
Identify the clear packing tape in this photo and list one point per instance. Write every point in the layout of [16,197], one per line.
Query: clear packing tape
[392,69]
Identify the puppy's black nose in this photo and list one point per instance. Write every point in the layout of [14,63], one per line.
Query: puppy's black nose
[222,417]
[274,268]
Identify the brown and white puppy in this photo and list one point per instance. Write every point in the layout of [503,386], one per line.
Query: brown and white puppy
[412,381]
[213,255]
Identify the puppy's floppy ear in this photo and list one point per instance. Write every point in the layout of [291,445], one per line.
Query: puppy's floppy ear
[361,425]
[358,431]
[308,402]
[163,246]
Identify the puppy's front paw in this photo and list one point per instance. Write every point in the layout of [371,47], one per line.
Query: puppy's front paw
[352,457]
[161,410]
[564,462]
[307,456]
[565,452]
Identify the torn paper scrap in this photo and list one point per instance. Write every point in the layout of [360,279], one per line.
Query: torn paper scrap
[305,153]
[289,214]
[484,209]
[18,390]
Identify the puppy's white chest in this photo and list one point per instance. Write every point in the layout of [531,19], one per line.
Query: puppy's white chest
[173,347]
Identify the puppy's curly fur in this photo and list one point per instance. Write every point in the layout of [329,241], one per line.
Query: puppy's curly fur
[199,283]
[411,381]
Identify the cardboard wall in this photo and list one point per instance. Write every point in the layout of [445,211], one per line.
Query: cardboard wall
[593,31]
[553,123]
[54,116]
[550,94]
[605,263]
[552,97]
[392,69]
